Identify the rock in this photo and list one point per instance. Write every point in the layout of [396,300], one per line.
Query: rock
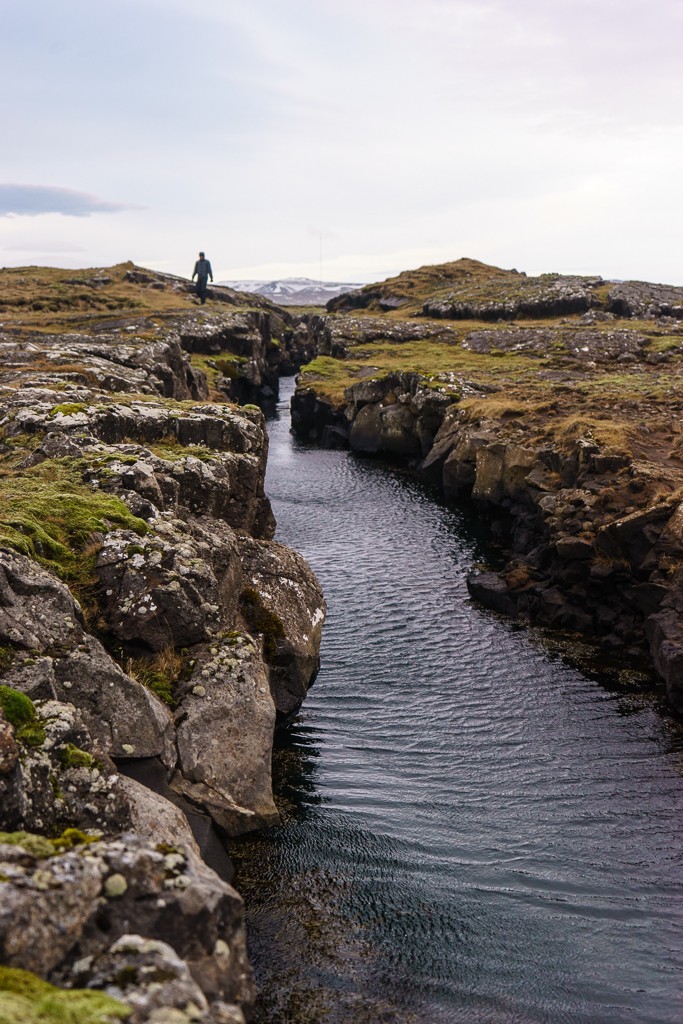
[9,751]
[36,611]
[150,977]
[665,635]
[398,431]
[490,590]
[62,780]
[155,819]
[45,907]
[176,587]
[639,299]
[574,548]
[39,616]
[225,722]
[66,919]
[632,537]
[295,609]
[366,430]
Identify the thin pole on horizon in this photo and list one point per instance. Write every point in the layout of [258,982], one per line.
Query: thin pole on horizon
[320,252]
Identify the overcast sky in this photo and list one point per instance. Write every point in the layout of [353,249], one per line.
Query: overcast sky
[385,134]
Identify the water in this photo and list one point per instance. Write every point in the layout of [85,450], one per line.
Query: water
[475,831]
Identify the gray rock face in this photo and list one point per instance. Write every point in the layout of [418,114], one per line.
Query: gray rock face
[225,722]
[61,779]
[176,587]
[639,299]
[505,299]
[292,597]
[149,977]
[73,907]
[38,616]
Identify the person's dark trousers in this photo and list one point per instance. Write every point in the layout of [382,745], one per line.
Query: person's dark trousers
[201,289]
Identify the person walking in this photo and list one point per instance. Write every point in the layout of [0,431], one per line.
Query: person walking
[202,271]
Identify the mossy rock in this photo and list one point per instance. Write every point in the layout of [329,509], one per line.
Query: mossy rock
[43,846]
[49,513]
[27,999]
[72,756]
[68,408]
[20,712]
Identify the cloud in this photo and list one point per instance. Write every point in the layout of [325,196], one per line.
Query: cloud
[34,200]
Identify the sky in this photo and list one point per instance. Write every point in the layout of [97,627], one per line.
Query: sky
[348,140]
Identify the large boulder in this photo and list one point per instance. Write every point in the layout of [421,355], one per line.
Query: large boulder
[225,722]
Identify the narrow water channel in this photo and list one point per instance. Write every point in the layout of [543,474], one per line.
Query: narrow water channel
[474,831]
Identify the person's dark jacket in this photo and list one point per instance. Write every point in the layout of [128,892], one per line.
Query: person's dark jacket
[202,271]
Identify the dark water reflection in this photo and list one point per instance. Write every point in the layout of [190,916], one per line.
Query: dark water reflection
[475,831]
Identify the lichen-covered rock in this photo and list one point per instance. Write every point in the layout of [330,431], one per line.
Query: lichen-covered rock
[9,751]
[175,587]
[37,612]
[641,299]
[59,912]
[292,599]
[154,818]
[62,780]
[225,722]
[55,659]
[150,977]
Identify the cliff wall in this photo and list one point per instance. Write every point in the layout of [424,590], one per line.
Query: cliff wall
[151,631]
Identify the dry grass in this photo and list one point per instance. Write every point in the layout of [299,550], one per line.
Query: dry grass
[159,673]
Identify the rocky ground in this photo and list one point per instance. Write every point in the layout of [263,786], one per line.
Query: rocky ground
[151,634]
[554,403]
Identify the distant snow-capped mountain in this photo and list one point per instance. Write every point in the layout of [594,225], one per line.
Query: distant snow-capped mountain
[293,291]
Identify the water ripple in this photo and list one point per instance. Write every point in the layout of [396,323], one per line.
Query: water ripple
[476,831]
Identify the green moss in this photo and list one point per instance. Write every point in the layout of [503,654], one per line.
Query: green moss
[68,408]
[171,450]
[48,513]
[43,846]
[166,848]
[39,846]
[70,838]
[160,684]
[27,999]
[262,620]
[21,713]
[18,708]
[7,656]
[71,756]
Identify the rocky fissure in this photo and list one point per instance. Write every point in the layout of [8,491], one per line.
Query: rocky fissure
[566,435]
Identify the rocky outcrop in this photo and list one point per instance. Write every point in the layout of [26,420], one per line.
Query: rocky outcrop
[72,916]
[470,290]
[146,618]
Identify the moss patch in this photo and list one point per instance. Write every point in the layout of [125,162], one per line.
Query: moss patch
[27,999]
[68,408]
[48,513]
[19,710]
[42,846]
[73,757]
